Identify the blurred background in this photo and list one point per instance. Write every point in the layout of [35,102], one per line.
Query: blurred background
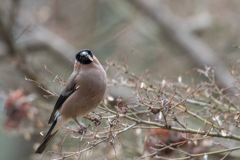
[167,37]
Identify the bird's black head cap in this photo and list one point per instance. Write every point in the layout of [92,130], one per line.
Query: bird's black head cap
[84,56]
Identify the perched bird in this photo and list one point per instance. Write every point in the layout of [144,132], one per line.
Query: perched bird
[82,93]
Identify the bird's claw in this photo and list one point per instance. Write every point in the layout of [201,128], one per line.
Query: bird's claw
[82,130]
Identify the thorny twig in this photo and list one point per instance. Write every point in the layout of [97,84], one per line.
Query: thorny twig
[173,101]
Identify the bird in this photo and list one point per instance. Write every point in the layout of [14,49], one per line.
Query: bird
[82,93]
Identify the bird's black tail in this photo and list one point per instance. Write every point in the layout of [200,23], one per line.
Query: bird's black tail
[47,138]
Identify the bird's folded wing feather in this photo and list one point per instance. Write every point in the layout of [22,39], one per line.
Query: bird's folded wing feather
[68,90]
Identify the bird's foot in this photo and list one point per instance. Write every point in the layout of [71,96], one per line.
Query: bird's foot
[82,130]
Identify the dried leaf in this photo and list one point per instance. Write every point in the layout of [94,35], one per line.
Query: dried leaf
[223,132]
[236,116]
[197,93]
[138,131]
[232,71]
[195,142]
[216,117]
[143,85]
[105,101]
[226,116]
[110,98]
[160,116]
[163,82]
[179,79]
[205,157]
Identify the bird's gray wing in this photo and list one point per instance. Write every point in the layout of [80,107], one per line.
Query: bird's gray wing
[68,90]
